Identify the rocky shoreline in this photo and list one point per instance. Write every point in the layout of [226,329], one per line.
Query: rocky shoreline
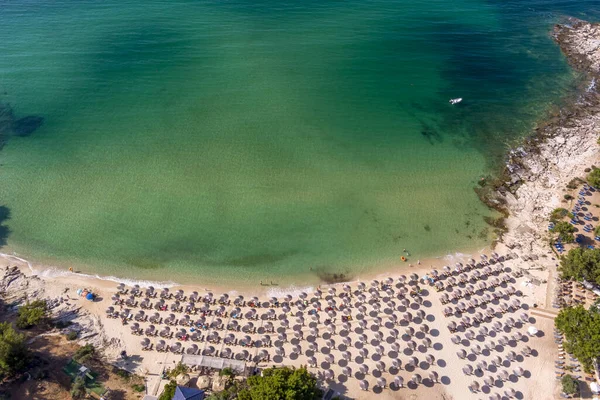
[537,173]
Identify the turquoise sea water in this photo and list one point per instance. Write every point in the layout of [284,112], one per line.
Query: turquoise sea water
[247,140]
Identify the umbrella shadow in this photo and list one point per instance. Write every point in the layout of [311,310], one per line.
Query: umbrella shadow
[434,332]
[441,363]
[325,365]
[445,380]
[438,346]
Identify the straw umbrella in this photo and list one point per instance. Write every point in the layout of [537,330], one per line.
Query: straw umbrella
[364,385]
[433,376]
[398,381]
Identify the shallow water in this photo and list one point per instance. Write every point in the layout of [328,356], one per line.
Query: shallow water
[275,140]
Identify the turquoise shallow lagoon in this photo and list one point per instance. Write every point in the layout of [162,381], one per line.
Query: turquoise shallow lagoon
[247,140]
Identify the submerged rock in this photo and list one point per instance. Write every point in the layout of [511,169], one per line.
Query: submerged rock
[26,126]
[9,125]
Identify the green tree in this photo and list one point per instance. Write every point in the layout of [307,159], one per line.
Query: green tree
[581,328]
[179,369]
[14,355]
[581,264]
[593,178]
[78,388]
[32,314]
[168,391]
[84,353]
[570,385]
[597,231]
[281,383]
[565,231]
[558,213]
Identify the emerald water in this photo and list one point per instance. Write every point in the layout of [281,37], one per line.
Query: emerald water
[276,140]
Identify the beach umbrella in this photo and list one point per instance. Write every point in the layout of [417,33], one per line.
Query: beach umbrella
[413,361]
[176,347]
[193,349]
[380,365]
[411,345]
[121,287]
[476,349]
[346,355]
[381,382]
[150,330]
[461,353]
[433,376]
[330,359]
[455,339]
[347,341]
[135,327]
[511,355]
[489,380]
[394,333]
[424,328]
[226,353]
[313,347]
[416,379]
[497,360]
[426,342]
[312,361]
[429,358]
[161,345]
[503,375]
[510,392]
[145,343]
[467,370]
[363,352]
[532,330]
[396,363]
[110,310]
[364,385]
[280,351]
[409,331]
[330,343]
[395,346]
[243,355]
[398,381]
[519,371]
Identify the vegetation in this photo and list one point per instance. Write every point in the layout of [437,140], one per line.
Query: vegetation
[179,369]
[593,178]
[227,372]
[559,213]
[581,264]
[568,197]
[14,354]
[281,383]
[32,314]
[570,385]
[574,183]
[581,328]
[565,231]
[168,391]
[72,335]
[138,388]
[84,353]
[78,388]
[597,231]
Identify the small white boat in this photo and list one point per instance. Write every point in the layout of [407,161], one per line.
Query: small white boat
[455,101]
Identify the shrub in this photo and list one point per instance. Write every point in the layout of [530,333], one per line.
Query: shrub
[14,355]
[593,177]
[570,385]
[78,388]
[179,369]
[558,213]
[168,391]
[565,231]
[84,353]
[597,231]
[138,388]
[32,314]
[227,372]
[568,197]
[72,335]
